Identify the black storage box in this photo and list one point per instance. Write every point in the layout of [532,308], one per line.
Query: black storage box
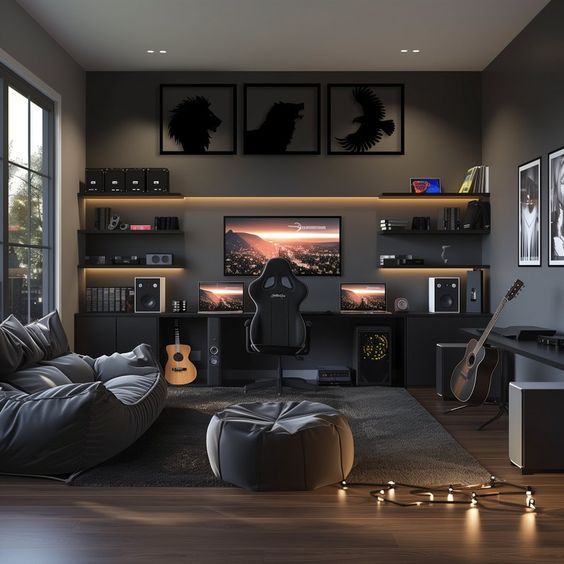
[135,180]
[94,180]
[115,180]
[157,180]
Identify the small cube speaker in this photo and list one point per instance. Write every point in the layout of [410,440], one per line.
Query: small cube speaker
[150,295]
[159,259]
[372,356]
[115,180]
[444,295]
[135,180]
[474,291]
[157,180]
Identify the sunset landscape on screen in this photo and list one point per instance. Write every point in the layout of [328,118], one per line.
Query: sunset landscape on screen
[311,244]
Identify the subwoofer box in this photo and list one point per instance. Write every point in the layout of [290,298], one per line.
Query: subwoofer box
[536,419]
[150,294]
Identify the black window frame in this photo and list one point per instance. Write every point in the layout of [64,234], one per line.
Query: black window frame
[9,79]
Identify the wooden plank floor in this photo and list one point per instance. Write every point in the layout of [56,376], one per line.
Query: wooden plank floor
[44,522]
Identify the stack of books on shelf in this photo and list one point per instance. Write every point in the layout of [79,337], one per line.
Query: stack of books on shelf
[477,180]
[393,224]
[451,219]
[109,300]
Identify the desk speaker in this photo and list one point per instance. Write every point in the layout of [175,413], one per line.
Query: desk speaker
[372,356]
[214,352]
[150,295]
[444,295]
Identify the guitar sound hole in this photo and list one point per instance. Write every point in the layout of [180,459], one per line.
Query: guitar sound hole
[471,360]
[178,357]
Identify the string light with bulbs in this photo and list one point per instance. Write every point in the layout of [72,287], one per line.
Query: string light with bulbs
[468,495]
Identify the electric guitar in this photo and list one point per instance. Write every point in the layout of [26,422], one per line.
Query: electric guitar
[179,369]
[472,377]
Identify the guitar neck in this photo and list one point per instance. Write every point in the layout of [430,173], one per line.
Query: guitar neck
[177,339]
[490,325]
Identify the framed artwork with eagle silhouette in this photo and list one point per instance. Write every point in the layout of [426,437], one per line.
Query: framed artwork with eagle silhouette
[365,119]
[198,119]
[281,119]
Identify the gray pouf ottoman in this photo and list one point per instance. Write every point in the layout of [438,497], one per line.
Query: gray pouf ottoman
[295,445]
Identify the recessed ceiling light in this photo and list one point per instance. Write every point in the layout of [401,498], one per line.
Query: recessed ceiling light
[416,50]
[404,50]
[151,51]
[163,51]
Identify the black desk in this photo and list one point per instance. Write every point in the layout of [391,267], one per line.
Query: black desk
[415,335]
[545,354]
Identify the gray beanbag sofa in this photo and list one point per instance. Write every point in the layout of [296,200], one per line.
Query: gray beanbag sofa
[61,412]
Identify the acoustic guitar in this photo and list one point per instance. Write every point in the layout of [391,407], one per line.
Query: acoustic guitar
[179,370]
[472,377]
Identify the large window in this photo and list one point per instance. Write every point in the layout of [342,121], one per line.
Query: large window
[27,238]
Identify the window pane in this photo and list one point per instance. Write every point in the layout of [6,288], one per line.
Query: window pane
[18,121]
[18,280]
[38,149]
[38,203]
[18,205]
[38,283]
[28,283]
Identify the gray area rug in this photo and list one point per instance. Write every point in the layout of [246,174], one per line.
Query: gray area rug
[395,439]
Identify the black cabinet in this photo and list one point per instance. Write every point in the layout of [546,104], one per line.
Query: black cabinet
[422,335]
[96,335]
[133,330]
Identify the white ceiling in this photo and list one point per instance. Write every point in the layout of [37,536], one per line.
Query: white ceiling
[284,35]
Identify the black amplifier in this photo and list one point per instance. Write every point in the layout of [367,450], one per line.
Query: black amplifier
[334,376]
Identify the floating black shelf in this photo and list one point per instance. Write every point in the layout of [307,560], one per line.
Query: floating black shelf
[143,266]
[434,232]
[132,232]
[429,197]
[132,196]
[439,266]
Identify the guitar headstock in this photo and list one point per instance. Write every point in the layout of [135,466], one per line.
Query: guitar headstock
[514,290]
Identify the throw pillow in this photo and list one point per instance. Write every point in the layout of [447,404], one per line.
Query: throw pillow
[49,334]
[30,353]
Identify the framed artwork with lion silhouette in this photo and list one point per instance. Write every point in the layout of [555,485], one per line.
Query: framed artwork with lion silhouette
[365,119]
[281,119]
[198,119]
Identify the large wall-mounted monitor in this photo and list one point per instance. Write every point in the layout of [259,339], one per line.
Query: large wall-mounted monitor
[311,244]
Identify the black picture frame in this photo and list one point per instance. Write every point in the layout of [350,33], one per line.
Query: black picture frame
[529,213]
[343,107]
[555,209]
[228,273]
[266,125]
[221,138]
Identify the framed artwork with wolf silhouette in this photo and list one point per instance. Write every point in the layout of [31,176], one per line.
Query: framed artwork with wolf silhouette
[365,119]
[198,119]
[281,119]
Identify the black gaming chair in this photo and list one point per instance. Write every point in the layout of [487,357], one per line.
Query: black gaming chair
[278,328]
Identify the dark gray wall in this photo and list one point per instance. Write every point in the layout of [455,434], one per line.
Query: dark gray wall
[442,138]
[523,118]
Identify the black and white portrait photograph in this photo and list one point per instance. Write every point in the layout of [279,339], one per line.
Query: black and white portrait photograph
[281,119]
[198,119]
[365,119]
[556,206]
[529,213]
